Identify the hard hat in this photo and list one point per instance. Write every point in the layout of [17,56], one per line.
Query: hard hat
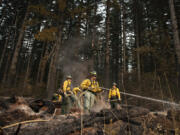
[114,84]
[93,73]
[69,77]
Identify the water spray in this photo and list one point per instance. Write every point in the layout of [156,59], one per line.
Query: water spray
[147,98]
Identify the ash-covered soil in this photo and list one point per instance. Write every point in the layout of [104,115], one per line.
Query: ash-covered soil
[18,116]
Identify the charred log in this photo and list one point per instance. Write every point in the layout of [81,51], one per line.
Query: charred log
[38,104]
[14,116]
[128,120]
[69,125]
[105,116]
[174,114]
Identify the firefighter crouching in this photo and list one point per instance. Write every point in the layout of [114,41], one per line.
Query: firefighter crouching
[90,88]
[114,96]
[57,97]
[69,98]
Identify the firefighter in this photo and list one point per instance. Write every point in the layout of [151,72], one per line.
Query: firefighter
[66,92]
[114,96]
[91,88]
[69,98]
[56,97]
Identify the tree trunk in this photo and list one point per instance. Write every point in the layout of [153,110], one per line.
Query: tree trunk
[137,39]
[39,73]
[87,25]
[123,42]
[94,36]
[52,75]
[6,68]
[8,62]
[4,50]
[124,37]
[175,31]
[12,70]
[43,66]
[107,32]
[27,72]
[107,57]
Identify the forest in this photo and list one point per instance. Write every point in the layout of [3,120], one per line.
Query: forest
[134,43]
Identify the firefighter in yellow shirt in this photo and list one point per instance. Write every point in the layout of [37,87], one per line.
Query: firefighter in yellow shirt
[91,88]
[114,96]
[69,97]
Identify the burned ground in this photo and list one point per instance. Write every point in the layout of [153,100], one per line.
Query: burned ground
[127,120]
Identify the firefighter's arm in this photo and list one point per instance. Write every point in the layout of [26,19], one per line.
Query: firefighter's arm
[118,93]
[76,90]
[98,89]
[85,84]
[109,94]
[65,86]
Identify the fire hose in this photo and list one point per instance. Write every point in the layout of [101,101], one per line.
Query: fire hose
[147,98]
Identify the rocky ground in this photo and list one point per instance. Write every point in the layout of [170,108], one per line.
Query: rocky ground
[20,116]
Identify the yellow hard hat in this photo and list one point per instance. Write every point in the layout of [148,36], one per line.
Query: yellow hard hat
[93,73]
[69,77]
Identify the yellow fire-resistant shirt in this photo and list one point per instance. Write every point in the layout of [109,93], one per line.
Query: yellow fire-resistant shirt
[67,86]
[93,84]
[114,92]
[76,90]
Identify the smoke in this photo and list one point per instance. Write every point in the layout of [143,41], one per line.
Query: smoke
[100,104]
[74,61]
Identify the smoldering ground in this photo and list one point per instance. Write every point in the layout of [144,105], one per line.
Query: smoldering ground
[74,59]
[101,104]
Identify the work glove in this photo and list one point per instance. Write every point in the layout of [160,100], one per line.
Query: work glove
[119,99]
[99,90]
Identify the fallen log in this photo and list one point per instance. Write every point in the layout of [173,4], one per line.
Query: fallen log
[104,117]
[174,114]
[71,124]
[36,105]
[15,116]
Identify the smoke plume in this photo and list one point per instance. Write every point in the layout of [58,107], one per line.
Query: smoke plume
[73,61]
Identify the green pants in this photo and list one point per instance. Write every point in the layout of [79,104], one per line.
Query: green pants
[89,100]
[68,103]
[114,102]
[75,101]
